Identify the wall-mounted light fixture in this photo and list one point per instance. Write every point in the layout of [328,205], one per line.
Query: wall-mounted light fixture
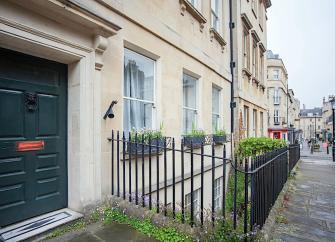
[109,113]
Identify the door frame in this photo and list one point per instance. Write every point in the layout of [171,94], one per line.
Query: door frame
[83,104]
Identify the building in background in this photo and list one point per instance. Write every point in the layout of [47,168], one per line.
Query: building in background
[311,123]
[327,117]
[278,97]
[294,132]
[250,41]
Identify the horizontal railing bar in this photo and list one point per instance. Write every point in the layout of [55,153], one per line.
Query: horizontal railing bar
[258,168]
[170,149]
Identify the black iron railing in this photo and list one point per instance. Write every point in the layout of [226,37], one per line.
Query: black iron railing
[157,176]
[180,182]
[294,151]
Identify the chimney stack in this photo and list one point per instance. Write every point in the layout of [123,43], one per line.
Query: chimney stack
[303,106]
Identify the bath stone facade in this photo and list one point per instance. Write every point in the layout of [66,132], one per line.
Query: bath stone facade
[178,50]
[250,41]
[278,97]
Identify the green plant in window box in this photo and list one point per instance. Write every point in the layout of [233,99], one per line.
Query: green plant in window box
[196,137]
[145,138]
[220,136]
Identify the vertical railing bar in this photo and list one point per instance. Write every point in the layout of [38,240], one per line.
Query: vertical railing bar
[165,179]
[112,162]
[182,182]
[212,185]
[150,202]
[224,182]
[235,194]
[252,185]
[129,155]
[136,168]
[157,175]
[173,178]
[118,162]
[192,186]
[246,196]
[202,186]
[143,172]
[124,165]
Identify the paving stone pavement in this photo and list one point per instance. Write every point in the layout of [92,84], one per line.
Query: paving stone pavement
[309,211]
[99,233]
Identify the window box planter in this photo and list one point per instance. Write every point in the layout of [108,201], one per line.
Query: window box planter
[196,141]
[219,139]
[131,147]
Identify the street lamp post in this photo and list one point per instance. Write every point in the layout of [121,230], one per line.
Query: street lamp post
[315,126]
[333,108]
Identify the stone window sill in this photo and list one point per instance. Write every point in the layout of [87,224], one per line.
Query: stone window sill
[215,35]
[187,6]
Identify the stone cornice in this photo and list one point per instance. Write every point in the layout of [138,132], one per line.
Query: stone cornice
[255,35]
[246,21]
[87,17]
[262,47]
[187,6]
[215,35]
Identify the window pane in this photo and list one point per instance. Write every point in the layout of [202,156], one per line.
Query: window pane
[138,76]
[196,201]
[189,91]
[215,100]
[189,120]
[137,115]
[217,193]
[215,122]
[215,6]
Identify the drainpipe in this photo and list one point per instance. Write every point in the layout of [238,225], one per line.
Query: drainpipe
[232,66]
[232,103]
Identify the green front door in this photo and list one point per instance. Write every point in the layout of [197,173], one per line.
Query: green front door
[33,136]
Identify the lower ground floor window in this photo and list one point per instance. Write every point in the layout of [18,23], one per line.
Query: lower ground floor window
[196,201]
[218,193]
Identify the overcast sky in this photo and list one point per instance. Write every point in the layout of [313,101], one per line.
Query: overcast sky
[302,32]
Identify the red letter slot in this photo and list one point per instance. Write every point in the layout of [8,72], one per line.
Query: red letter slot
[30,145]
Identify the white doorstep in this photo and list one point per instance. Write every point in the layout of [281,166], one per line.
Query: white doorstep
[38,225]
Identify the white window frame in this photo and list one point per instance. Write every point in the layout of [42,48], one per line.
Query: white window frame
[219,113]
[246,48]
[195,110]
[254,122]
[216,16]
[218,193]
[276,116]
[196,4]
[261,66]
[276,96]
[246,120]
[196,201]
[276,75]
[254,58]
[153,102]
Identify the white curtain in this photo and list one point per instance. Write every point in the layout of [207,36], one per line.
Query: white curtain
[190,102]
[138,84]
